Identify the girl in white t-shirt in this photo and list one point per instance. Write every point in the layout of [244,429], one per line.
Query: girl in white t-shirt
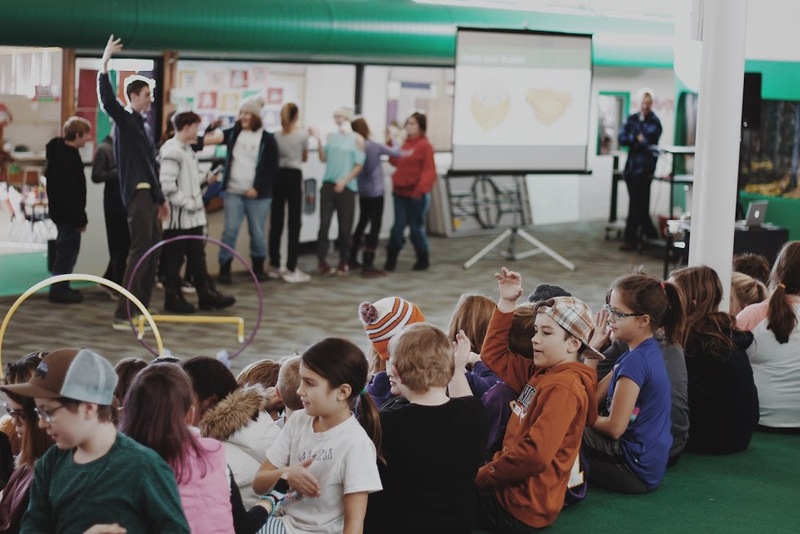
[324,454]
[775,353]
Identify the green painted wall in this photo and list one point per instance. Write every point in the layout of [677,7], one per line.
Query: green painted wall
[780,80]
[780,212]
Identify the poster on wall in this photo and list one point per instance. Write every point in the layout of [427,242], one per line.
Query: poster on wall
[207,100]
[259,76]
[275,95]
[187,79]
[238,79]
[230,102]
[182,100]
[218,89]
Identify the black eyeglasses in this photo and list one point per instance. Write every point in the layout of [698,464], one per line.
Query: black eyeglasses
[45,414]
[15,414]
[617,315]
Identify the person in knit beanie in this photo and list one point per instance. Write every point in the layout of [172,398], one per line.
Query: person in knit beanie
[251,168]
[253,105]
[382,320]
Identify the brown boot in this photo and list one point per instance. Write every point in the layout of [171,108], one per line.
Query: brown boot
[175,302]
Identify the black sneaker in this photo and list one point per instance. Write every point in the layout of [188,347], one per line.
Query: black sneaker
[65,296]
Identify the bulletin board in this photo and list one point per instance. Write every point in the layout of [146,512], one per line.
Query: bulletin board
[215,90]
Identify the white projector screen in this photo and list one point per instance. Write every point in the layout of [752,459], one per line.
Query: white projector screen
[521,101]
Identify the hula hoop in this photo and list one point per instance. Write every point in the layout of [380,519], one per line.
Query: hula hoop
[79,278]
[219,244]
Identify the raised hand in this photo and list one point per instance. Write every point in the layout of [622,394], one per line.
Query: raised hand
[602,334]
[461,350]
[510,285]
[112,46]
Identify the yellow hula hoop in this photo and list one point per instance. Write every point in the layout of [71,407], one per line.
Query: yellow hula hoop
[78,278]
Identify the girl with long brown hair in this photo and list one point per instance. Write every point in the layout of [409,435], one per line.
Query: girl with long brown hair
[287,195]
[323,451]
[156,413]
[34,442]
[723,400]
[775,355]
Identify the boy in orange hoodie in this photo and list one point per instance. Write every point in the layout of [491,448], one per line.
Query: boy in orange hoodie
[523,486]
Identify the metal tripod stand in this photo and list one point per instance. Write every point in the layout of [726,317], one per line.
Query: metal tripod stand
[514,232]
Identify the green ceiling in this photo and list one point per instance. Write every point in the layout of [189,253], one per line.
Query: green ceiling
[380,31]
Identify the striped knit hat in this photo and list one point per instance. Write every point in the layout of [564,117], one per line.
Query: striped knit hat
[386,318]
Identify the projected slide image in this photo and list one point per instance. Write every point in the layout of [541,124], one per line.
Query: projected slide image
[490,107]
[548,105]
[521,106]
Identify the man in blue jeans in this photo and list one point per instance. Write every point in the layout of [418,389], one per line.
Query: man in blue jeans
[140,188]
[66,193]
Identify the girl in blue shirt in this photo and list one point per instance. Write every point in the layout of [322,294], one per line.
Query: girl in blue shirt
[629,446]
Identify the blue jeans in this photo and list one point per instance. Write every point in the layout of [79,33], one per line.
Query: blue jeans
[257,210]
[410,212]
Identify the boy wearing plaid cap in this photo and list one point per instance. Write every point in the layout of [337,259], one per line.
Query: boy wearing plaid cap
[94,476]
[523,486]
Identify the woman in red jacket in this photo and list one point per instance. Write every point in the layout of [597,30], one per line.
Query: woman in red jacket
[411,184]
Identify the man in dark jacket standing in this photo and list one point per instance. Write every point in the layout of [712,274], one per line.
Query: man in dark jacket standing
[640,134]
[135,152]
[104,170]
[66,193]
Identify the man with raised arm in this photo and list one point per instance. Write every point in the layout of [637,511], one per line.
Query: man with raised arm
[139,185]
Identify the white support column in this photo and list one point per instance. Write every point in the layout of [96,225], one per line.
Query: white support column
[718,137]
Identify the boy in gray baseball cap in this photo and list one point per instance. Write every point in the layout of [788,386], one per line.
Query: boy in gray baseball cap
[94,476]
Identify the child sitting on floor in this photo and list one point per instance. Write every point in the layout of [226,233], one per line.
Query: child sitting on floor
[524,485]
[324,452]
[628,449]
[94,476]
[432,444]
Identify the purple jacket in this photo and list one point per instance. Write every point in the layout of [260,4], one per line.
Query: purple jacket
[480,379]
[370,179]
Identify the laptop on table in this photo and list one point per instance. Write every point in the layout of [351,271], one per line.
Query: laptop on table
[756,212]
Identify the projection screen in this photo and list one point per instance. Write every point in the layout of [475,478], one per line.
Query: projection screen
[521,101]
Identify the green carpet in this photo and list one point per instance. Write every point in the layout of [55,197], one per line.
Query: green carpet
[751,492]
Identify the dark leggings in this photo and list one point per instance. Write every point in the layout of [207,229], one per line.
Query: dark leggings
[608,466]
[370,212]
[287,191]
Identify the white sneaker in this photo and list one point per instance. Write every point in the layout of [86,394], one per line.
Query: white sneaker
[187,287]
[275,273]
[296,276]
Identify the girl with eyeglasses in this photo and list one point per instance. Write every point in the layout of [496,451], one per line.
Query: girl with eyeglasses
[34,442]
[628,447]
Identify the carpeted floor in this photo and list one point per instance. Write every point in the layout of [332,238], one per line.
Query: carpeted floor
[751,492]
